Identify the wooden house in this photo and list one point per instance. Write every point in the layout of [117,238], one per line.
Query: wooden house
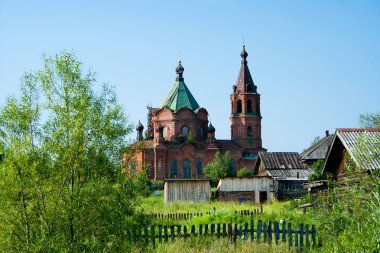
[188,190]
[353,147]
[252,189]
[317,151]
[287,172]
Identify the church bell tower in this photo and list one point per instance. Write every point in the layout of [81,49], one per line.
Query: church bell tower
[245,109]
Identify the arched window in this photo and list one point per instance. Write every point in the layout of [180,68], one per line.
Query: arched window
[186,169]
[202,133]
[249,106]
[165,132]
[185,131]
[173,168]
[249,132]
[239,106]
[258,107]
[198,164]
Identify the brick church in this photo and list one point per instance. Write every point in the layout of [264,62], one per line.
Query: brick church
[179,140]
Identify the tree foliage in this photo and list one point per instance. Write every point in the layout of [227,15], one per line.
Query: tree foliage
[244,172]
[220,167]
[62,189]
[369,120]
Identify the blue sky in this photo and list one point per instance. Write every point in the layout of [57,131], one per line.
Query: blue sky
[316,63]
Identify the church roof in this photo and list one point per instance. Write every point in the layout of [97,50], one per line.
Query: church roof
[180,96]
[244,82]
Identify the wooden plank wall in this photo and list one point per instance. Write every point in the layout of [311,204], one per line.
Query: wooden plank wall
[187,190]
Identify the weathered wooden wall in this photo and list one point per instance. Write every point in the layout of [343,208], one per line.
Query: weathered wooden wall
[194,190]
[245,189]
[232,184]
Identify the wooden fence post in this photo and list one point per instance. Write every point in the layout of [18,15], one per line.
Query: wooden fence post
[307,236]
[206,229]
[259,227]
[153,235]
[269,232]
[276,232]
[218,230]
[313,235]
[245,231]
[265,232]
[235,232]
[178,231]
[229,232]
[185,232]
[160,233]
[290,234]
[224,229]
[283,231]
[193,230]
[301,235]
[166,233]
[212,228]
[252,230]
[172,232]
[200,230]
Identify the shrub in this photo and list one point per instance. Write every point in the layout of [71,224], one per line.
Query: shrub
[244,172]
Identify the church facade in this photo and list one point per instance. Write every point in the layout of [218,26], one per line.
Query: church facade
[179,140]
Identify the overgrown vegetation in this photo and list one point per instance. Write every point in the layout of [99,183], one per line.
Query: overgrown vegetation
[220,167]
[61,187]
[244,172]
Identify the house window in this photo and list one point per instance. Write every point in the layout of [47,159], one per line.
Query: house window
[239,106]
[185,131]
[173,169]
[249,106]
[186,169]
[199,167]
[249,131]
[165,132]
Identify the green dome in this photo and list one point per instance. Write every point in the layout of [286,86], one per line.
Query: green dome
[180,97]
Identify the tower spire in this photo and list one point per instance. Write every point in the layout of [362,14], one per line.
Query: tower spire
[244,82]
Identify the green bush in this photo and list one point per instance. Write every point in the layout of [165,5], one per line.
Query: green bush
[244,172]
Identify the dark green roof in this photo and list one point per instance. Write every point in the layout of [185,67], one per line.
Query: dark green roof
[180,97]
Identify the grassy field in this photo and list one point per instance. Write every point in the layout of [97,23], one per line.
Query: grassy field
[345,224]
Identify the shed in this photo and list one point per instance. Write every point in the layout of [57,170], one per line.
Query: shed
[192,190]
[362,146]
[317,151]
[287,172]
[254,189]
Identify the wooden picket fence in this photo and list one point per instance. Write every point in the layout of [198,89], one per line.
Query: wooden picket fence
[186,216]
[271,232]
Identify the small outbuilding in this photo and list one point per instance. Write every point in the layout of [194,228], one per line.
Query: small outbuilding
[287,172]
[188,190]
[252,189]
[317,151]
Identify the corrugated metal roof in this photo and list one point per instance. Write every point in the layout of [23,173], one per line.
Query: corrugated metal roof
[281,160]
[284,165]
[363,145]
